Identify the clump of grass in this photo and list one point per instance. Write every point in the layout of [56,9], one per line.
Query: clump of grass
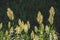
[20,32]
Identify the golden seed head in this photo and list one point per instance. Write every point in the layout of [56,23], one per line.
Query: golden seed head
[47,29]
[55,37]
[50,36]
[11,30]
[10,14]
[21,24]
[0,25]
[52,12]
[19,21]
[36,29]
[28,24]
[9,24]
[36,37]
[6,33]
[26,28]
[32,34]
[51,20]
[18,29]
[39,18]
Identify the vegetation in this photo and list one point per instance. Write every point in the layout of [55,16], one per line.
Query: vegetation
[20,32]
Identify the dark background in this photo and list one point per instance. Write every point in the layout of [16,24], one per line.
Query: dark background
[28,9]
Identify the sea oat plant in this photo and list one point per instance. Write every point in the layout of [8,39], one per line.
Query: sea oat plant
[21,30]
